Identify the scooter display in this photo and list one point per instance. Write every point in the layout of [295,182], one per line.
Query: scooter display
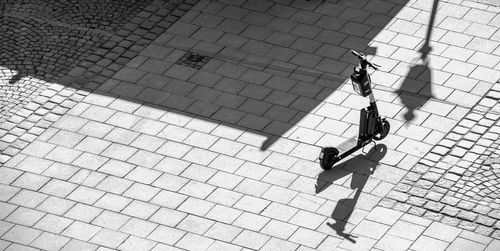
[371,125]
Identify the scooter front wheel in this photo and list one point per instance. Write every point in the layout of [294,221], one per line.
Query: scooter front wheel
[328,157]
[384,129]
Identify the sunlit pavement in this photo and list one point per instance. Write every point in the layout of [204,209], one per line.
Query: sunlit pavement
[197,125]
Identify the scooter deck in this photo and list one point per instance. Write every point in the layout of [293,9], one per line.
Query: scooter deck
[347,145]
[350,146]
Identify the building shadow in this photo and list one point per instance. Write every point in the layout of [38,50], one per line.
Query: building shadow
[364,165]
[419,77]
[118,54]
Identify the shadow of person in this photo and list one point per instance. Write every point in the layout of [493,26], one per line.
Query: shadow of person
[363,166]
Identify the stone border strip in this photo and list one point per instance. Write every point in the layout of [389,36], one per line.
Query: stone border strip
[495,3]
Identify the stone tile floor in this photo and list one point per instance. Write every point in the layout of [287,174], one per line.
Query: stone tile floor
[133,150]
[43,40]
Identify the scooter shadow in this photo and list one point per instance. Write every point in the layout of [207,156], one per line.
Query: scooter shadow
[363,163]
[361,167]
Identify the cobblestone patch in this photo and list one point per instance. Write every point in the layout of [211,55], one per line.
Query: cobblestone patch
[51,97]
[457,182]
[42,40]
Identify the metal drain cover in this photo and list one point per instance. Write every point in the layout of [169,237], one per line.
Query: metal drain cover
[193,60]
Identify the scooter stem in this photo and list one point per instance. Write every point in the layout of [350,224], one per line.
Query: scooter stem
[373,103]
[372,98]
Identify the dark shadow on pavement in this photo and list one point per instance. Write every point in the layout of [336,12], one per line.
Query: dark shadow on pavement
[360,175]
[115,56]
[419,77]
[43,40]
[413,102]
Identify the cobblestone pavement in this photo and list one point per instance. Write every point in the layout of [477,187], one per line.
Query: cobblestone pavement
[50,100]
[43,40]
[457,181]
[198,124]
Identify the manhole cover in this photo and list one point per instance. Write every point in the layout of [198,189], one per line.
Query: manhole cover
[193,60]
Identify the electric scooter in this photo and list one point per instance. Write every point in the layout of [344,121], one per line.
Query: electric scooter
[371,125]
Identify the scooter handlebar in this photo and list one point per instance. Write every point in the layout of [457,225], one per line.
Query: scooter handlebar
[359,55]
[362,58]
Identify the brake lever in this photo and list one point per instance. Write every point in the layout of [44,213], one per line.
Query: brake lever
[373,65]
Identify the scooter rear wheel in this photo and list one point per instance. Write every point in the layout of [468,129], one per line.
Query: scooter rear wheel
[384,129]
[328,157]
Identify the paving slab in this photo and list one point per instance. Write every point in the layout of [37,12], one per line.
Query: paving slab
[203,120]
